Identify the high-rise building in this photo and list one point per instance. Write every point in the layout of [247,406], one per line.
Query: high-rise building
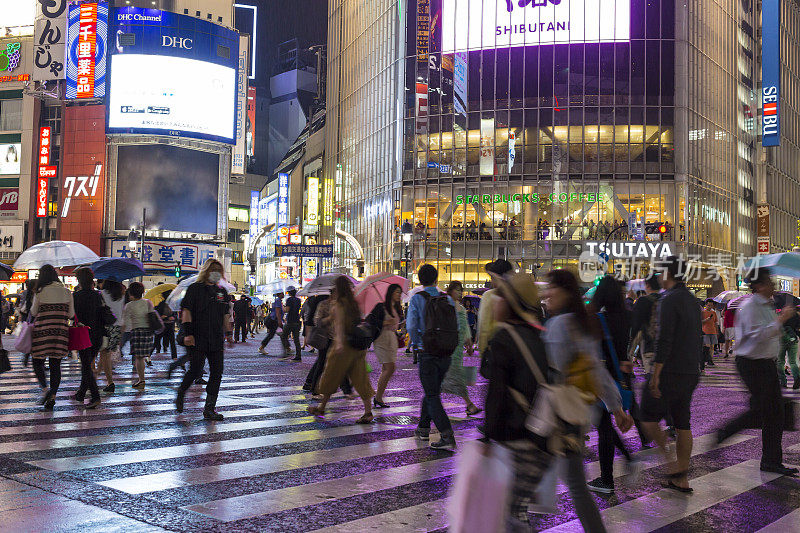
[533,130]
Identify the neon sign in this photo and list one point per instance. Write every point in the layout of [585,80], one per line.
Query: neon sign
[283,199]
[532,198]
[9,58]
[86,50]
[46,171]
[81,186]
[771,72]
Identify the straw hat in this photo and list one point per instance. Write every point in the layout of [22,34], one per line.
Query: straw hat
[521,293]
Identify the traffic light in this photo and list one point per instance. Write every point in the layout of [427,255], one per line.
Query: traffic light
[662,229]
[178,270]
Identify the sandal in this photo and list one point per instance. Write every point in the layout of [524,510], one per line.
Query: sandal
[669,483]
[315,410]
[366,419]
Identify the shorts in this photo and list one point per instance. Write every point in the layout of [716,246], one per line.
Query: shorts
[676,399]
[729,334]
[709,339]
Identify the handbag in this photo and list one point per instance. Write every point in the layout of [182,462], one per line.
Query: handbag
[25,338]
[624,391]
[319,338]
[481,491]
[154,323]
[401,340]
[5,364]
[107,317]
[79,338]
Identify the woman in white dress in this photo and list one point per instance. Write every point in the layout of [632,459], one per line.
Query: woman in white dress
[388,315]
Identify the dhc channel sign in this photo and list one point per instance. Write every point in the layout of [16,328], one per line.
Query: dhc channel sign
[771,72]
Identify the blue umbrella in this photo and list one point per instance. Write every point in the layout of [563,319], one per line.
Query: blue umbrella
[256,300]
[782,264]
[117,268]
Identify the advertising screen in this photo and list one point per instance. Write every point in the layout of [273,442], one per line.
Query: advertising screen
[476,25]
[10,155]
[179,188]
[172,75]
[87,38]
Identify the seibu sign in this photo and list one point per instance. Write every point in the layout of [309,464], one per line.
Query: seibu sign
[630,250]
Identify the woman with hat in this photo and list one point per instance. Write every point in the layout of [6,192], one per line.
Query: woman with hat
[508,364]
[573,334]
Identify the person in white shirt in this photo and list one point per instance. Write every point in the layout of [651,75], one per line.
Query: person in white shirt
[758,330]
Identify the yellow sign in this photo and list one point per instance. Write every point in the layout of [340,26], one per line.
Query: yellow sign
[312,207]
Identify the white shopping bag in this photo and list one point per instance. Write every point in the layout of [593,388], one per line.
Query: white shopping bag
[546,492]
[481,492]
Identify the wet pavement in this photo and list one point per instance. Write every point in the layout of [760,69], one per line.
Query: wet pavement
[134,464]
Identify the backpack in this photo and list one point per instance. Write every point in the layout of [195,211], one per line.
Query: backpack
[441,325]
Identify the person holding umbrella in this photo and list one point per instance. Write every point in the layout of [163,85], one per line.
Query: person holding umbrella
[52,308]
[386,317]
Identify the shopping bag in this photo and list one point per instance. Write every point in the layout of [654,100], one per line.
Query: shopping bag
[79,338]
[481,491]
[546,492]
[25,338]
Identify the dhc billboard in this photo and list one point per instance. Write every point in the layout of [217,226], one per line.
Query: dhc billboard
[771,72]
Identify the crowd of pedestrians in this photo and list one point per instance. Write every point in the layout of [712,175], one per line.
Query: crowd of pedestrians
[548,356]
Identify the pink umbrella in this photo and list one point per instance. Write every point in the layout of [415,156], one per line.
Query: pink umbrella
[373,289]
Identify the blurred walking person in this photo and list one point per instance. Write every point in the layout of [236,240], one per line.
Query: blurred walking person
[273,321]
[342,359]
[113,294]
[241,312]
[168,318]
[89,305]
[758,331]
[291,325]
[676,369]
[387,315]
[52,310]
[135,321]
[486,321]
[455,380]
[24,309]
[572,334]
[709,318]
[205,314]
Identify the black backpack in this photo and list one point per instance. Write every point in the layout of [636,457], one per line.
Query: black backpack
[441,325]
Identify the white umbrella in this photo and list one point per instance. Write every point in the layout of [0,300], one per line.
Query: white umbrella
[176,297]
[56,253]
[725,296]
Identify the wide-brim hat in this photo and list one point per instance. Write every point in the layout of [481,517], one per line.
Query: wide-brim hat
[522,294]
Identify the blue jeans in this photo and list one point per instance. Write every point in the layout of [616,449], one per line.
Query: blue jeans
[431,374]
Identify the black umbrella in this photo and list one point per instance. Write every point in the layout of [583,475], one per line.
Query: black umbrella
[782,299]
[6,271]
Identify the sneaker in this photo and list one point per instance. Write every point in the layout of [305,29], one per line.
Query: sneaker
[444,443]
[422,434]
[779,469]
[262,351]
[109,388]
[212,415]
[92,404]
[179,401]
[78,397]
[635,467]
[308,387]
[603,487]
[297,359]
[200,381]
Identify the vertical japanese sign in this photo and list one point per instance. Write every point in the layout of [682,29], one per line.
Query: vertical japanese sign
[283,199]
[237,159]
[251,119]
[422,108]
[49,38]
[253,214]
[312,206]
[46,171]
[87,35]
[771,71]
[423,29]
[460,83]
[487,147]
[762,229]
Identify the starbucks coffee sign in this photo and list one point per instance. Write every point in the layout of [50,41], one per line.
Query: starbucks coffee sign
[532,198]
[630,250]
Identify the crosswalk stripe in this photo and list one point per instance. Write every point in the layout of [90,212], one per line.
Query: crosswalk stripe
[229,471]
[785,524]
[666,506]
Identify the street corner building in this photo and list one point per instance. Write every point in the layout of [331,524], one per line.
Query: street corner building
[459,131]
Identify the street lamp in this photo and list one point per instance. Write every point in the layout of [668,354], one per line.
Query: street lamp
[133,239]
[407,230]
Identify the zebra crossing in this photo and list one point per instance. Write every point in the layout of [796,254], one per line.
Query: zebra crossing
[136,465]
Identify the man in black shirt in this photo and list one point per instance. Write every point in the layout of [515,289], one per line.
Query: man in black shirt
[291,325]
[241,312]
[205,316]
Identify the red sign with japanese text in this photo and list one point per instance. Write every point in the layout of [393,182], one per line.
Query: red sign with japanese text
[45,171]
[87,38]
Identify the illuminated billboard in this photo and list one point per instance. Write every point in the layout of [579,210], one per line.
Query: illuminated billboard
[178,186]
[172,75]
[10,155]
[771,72]
[477,25]
[87,37]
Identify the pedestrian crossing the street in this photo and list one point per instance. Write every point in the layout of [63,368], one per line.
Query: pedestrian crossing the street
[134,464]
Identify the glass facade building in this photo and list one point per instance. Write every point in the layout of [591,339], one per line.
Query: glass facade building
[533,129]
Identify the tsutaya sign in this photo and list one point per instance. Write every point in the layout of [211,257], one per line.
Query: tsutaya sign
[475,25]
[533,198]
[630,250]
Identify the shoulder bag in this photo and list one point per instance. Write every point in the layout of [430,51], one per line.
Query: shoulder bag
[624,391]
